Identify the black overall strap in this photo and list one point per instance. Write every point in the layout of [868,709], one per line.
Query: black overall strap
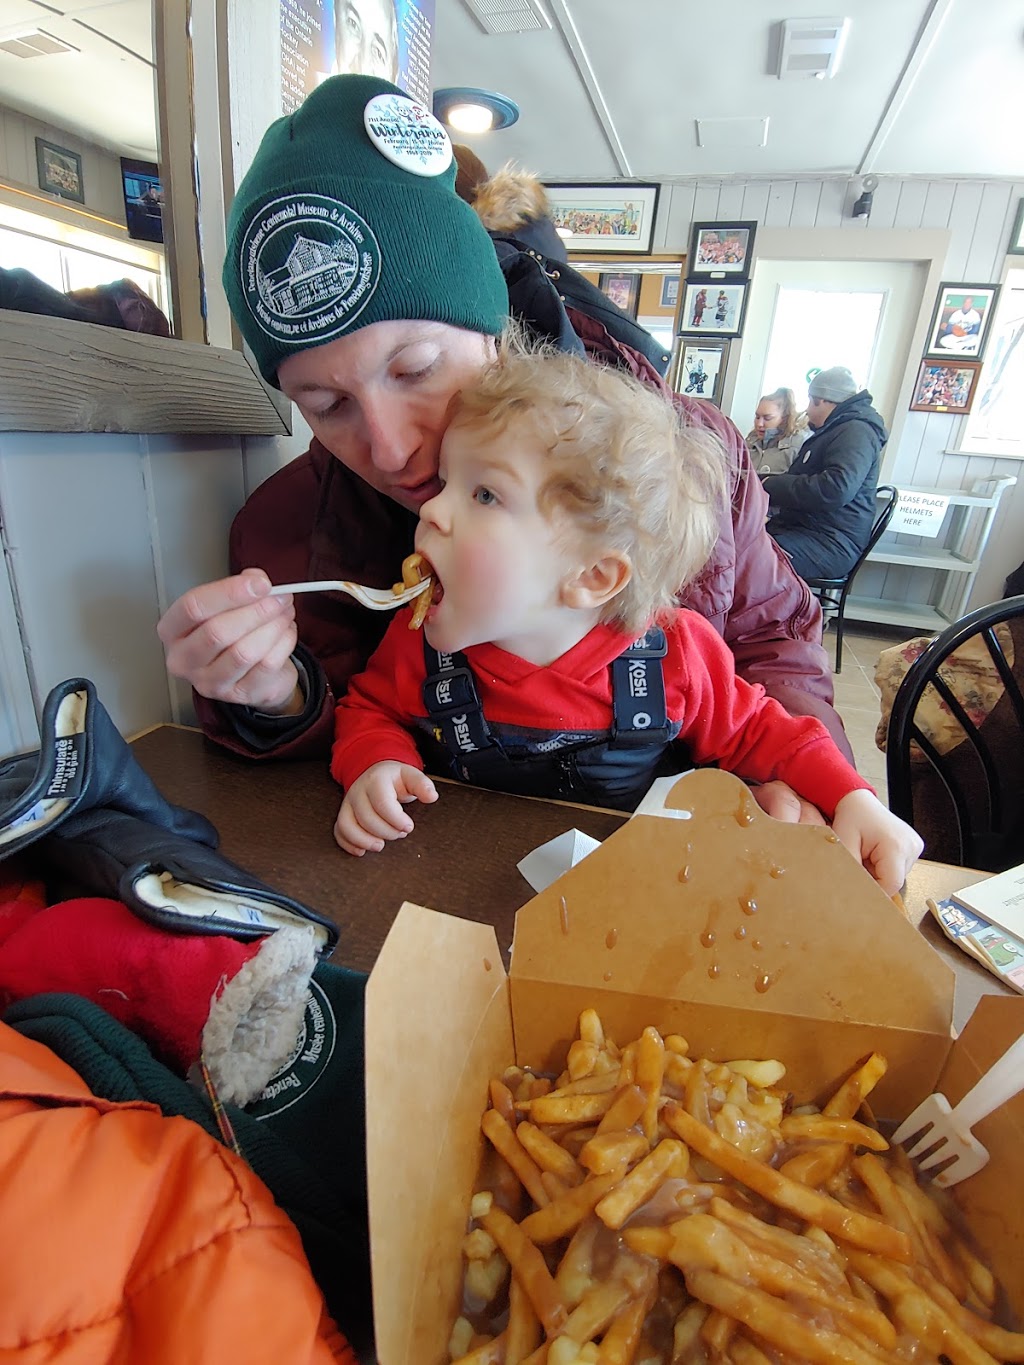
[453,705]
[638,693]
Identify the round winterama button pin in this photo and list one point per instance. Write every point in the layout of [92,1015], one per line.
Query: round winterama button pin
[407,134]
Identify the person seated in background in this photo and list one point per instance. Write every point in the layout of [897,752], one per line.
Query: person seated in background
[573,505]
[779,432]
[823,506]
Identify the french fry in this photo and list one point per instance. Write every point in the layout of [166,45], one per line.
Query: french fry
[810,1205]
[562,1216]
[821,1128]
[502,1101]
[619,1343]
[687,1330]
[626,1107]
[817,1166]
[650,1069]
[548,1155]
[607,1151]
[559,1109]
[668,1158]
[717,1332]
[506,1144]
[488,1353]
[522,1335]
[529,1268]
[776,1322]
[744,1352]
[596,1310]
[856,1088]
[576,1273]
[591,1030]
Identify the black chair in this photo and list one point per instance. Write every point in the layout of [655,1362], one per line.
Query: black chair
[979,783]
[832,592]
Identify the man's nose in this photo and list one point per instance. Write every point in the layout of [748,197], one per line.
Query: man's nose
[392,437]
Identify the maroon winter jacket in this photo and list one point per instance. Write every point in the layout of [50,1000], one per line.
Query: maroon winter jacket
[314,519]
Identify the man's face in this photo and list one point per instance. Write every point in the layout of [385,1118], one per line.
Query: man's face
[967,304]
[818,412]
[366,38]
[378,399]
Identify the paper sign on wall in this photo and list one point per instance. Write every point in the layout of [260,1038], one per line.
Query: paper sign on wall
[919,514]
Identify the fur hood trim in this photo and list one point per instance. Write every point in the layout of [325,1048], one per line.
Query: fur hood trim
[509,199]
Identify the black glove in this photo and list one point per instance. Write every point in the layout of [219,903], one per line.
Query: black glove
[83,763]
[167,879]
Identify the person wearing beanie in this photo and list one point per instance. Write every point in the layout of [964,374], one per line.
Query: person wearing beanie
[823,505]
[370,293]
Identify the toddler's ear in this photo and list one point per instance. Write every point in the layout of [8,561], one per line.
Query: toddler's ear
[598,583]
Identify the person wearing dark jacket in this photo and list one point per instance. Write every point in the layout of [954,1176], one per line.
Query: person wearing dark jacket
[823,506]
[372,335]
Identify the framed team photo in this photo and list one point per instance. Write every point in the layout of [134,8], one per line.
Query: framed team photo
[603,218]
[713,308]
[945,386]
[720,250]
[963,314]
[698,367]
[623,288]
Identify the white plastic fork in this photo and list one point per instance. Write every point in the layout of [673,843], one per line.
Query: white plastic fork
[945,1132]
[377,599]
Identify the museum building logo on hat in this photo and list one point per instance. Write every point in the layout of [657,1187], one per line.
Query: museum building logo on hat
[348,216]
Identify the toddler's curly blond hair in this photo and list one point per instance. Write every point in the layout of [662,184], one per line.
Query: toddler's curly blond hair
[623,466]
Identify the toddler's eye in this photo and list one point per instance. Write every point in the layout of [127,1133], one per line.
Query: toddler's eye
[484,496]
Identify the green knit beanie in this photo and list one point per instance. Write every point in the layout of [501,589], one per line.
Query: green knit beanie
[348,215]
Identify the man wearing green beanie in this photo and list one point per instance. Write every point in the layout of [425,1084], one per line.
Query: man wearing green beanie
[370,293]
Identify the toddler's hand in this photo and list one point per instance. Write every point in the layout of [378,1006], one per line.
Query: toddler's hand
[372,813]
[886,846]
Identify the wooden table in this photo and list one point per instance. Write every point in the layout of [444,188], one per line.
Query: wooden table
[275,819]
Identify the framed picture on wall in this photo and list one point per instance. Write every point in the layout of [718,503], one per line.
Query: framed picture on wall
[945,386]
[622,287]
[713,308]
[669,291]
[963,313]
[615,218]
[1016,247]
[698,367]
[60,170]
[718,250]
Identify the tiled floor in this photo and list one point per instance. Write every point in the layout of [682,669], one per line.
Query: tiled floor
[857,697]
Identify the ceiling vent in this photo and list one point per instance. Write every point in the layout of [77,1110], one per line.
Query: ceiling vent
[508,16]
[811,47]
[35,44]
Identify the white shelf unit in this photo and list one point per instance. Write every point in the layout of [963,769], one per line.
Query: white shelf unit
[956,555]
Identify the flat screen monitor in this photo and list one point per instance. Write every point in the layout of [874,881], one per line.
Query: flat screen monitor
[143,199]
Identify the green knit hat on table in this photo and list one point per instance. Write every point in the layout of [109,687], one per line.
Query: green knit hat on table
[348,215]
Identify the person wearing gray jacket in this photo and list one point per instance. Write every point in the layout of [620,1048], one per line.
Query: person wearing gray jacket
[823,506]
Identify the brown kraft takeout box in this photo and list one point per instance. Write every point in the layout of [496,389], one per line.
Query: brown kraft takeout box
[645,930]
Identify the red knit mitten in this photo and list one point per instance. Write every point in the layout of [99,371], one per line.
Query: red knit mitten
[238,1005]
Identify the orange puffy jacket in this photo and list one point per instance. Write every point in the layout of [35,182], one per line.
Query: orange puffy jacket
[129,1237]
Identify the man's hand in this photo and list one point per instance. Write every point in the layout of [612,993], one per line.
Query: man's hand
[879,840]
[371,813]
[234,643]
[781,802]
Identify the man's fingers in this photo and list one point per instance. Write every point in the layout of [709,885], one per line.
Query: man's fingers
[220,678]
[211,599]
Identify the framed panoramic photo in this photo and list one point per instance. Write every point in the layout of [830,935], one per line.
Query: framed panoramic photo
[616,218]
[963,313]
[721,250]
[60,170]
[945,386]
[622,287]
[713,308]
[698,367]
[1016,247]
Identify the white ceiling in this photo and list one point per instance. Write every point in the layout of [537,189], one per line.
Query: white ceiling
[614,89]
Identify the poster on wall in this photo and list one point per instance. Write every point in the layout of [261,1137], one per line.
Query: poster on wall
[387,38]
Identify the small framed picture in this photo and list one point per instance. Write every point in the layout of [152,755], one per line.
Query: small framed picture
[1016,247]
[961,321]
[669,291]
[623,288]
[713,308]
[720,250]
[605,218]
[698,367]
[945,386]
[60,170]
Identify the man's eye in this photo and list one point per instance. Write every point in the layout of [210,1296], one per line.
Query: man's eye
[484,496]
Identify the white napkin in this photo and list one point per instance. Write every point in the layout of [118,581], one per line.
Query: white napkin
[547,863]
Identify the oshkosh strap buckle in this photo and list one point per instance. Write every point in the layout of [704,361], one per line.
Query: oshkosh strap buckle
[638,692]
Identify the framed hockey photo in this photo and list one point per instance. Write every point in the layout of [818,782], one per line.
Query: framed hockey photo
[721,250]
[945,386]
[698,367]
[622,287]
[605,218]
[713,308]
[963,313]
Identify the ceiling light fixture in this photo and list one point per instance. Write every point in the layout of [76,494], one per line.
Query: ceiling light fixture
[469,110]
